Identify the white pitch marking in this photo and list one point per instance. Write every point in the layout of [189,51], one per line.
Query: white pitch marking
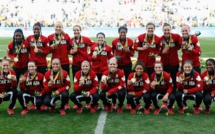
[101,122]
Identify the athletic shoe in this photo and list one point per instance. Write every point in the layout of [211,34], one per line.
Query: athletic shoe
[119,110]
[32,107]
[88,106]
[80,108]
[97,107]
[114,106]
[181,111]
[24,111]
[150,107]
[43,107]
[75,107]
[62,112]
[138,106]
[110,108]
[128,107]
[164,105]
[195,110]
[92,110]
[207,111]
[67,107]
[10,111]
[146,111]
[51,109]
[133,111]
[200,108]
[185,106]
[105,107]
[157,111]
[170,111]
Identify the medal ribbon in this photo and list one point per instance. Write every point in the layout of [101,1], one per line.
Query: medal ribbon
[29,78]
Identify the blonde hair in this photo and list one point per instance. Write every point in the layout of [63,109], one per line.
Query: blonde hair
[60,70]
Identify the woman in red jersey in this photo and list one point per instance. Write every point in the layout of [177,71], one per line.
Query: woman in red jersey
[31,89]
[8,84]
[113,86]
[190,86]
[56,85]
[59,46]
[208,78]
[138,88]
[161,88]
[18,51]
[99,55]
[38,48]
[169,52]
[190,48]
[79,49]
[147,45]
[85,88]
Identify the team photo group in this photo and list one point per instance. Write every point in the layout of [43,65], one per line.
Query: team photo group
[102,74]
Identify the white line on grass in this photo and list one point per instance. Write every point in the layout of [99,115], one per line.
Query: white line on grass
[101,122]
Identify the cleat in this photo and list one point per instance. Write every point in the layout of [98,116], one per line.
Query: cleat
[24,112]
[170,111]
[138,106]
[32,107]
[10,111]
[146,111]
[66,107]
[128,107]
[92,110]
[195,110]
[88,106]
[207,111]
[150,107]
[110,108]
[97,107]
[79,110]
[181,111]
[164,105]
[51,109]
[75,107]
[133,111]
[62,112]
[119,110]
[43,107]
[157,111]
[114,106]
[105,107]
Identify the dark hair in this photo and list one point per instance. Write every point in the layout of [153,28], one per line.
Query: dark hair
[166,24]
[150,23]
[37,24]
[77,26]
[17,31]
[101,34]
[124,28]
[139,63]
[211,60]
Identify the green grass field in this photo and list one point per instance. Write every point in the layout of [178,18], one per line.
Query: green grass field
[125,123]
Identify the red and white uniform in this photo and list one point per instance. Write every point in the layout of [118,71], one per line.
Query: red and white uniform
[117,48]
[141,86]
[41,44]
[62,50]
[115,82]
[90,85]
[144,55]
[100,63]
[208,82]
[57,85]
[22,54]
[165,84]
[5,83]
[34,85]
[193,55]
[82,54]
[171,57]
[193,84]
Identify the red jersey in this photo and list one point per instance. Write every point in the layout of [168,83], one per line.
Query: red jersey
[5,83]
[91,83]
[147,56]
[208,82]
[141,85]
[82,45]
[33,84]
[117,48]
[164,82]
[42,44]
[115,82]
[21,53]
[193,55]
[100,63]
[193,83]
[57,85]
[171,57]
[62,50]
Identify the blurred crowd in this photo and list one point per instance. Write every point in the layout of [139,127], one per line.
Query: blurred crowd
[107,13]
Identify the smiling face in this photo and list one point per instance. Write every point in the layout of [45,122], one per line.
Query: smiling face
[36,30]
[185,30]
[85,67]
[187,68]
[122,34]
[56,65]
[18,37]
[32,67]
[150,30]
[77,31]
[58,28]
[112,65]
[158,68]
[210,66]
[166,31]
[5,66]
[100,39]
[139,70]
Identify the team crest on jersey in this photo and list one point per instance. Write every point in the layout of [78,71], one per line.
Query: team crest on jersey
[137,40]
[198,78]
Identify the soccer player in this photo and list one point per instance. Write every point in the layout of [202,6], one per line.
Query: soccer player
[85,88]
[99,55]
[161,88]
[18,51]
[138,88]
[38,48]
[169,52]
[190,48]
[147,45]
[31,89]
[190,85]
[208,78]
[113,86]
[56,85]
[79,49]
[8,84]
